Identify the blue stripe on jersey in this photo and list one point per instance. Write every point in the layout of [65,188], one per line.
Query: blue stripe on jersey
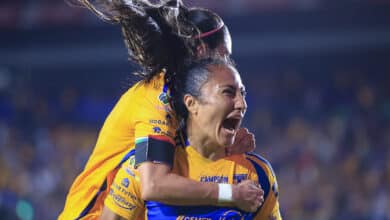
[168,212]
[103,187]
[263,180]
[126,157]
[263,160]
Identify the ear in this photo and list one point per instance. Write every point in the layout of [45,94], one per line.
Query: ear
[191,103]
[201,50]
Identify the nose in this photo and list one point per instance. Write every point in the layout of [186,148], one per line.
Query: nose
[240,103]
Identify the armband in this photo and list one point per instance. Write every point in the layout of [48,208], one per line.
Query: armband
[154,149]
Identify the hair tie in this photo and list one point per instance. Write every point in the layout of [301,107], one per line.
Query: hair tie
[208,33]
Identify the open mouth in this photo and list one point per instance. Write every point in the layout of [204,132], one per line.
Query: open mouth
[231,124]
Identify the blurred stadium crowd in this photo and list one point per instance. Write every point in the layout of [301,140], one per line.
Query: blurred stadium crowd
[28,13]
[321,118]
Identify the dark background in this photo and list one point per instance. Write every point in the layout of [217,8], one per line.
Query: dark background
[316,71]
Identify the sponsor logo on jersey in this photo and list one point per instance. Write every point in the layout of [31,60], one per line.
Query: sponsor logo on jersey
[237,178]
[228,215]
[125,182]
[164,98]
[182,217]
[121,201]
[130,166]
[158,122]
[129,171]
[132,161]
[115,187]
[157,130]
[232,214]
[214,179]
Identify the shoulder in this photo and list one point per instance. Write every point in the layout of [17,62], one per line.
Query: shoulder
[156,84]
[258,160]
[146,92]
[265,173]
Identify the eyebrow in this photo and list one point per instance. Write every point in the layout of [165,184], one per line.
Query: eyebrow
[229,86]
[242,88]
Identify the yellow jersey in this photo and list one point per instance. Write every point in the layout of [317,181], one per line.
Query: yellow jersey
[124,198]
[142,113]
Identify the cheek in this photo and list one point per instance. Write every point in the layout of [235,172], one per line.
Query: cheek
[209,116]
[215,113]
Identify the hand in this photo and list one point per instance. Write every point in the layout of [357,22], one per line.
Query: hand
[243,143]
[248,195]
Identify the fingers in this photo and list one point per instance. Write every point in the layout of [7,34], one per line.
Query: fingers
[244,134]
[255,186]
[248,141]
[243,143]
[259,200]
[258,192]
[244,130]
[250,196]
[241,133]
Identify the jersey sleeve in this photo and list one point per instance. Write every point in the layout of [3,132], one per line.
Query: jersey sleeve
[124,197]
[267,179]
[271,214]
[154,124]
[275,214]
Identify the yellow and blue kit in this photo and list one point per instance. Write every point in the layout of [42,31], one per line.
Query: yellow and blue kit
[124,198]
[141,118]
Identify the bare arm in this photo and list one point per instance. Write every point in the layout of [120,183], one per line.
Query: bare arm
[158,184]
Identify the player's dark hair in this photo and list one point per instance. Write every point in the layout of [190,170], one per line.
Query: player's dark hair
[193,76]
[159,36]
[206,21]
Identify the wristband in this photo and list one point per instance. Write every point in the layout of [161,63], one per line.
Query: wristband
[225,193]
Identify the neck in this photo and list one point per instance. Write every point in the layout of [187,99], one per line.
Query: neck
[204,146]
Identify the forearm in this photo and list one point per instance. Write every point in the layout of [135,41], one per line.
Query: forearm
[162,186]
[175,189]
[158,184]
